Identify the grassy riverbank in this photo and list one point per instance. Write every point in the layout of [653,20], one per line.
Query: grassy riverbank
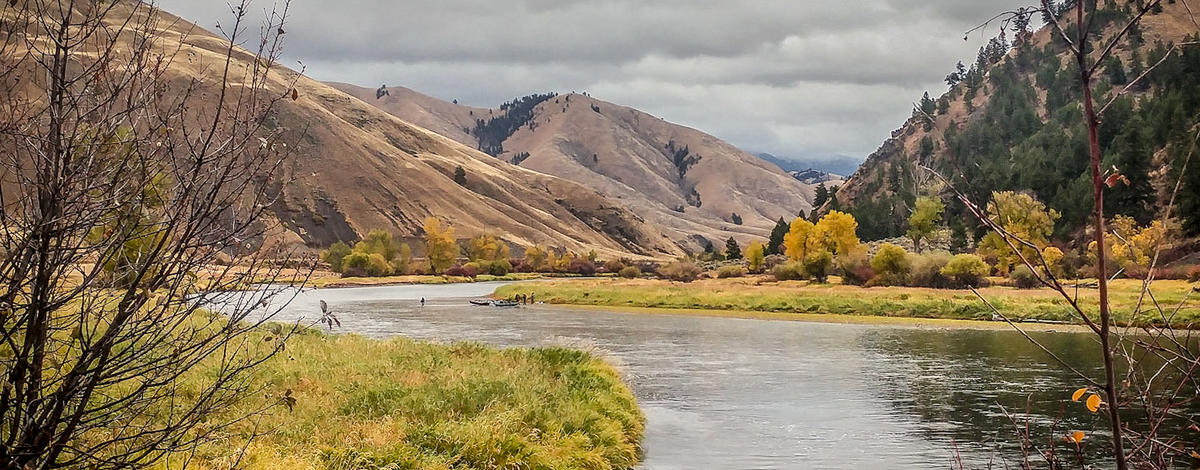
[363,403]
[752,294]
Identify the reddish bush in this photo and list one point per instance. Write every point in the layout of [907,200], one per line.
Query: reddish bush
[462,271]
[1194,274]
[1178,273]
[582,267]
[856,270]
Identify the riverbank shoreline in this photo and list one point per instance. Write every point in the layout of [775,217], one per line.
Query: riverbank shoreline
[838,319]
[759,298]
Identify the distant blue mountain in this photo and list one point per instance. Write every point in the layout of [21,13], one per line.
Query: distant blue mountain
[838,165]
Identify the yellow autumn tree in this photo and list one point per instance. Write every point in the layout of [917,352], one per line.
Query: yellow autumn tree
[487,247]
[837,232]
[563,262]
[756,256]
[535,257]
[1023,216]
[799,240]
[1131,246]
[440,246]
[1053,257]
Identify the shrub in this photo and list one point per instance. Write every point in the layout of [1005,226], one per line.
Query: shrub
[892,265]
[335,255]
[789,271]
[927,271]
[581,266]
[770,262]
[359,264]
[1023,277]
[630,272]
[856,269]
[1194,274]
[355,264]
[817,265]
[1178,273]
[683,271]
[462,270]
[379,266]
[731,271]
[966,270]
[1054,258]
[647,267]
[500,267]
[614,266]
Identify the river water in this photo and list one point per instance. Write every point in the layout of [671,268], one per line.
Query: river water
[721,393]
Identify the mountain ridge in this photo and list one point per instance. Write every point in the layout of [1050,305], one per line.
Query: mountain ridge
[682,180]
[355,168]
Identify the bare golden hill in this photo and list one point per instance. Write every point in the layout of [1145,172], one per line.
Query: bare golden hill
[353,168]
[687,183]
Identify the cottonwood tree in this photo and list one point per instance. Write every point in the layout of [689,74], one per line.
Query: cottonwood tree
[1150,374]
[925,219]
[441,249]
[134,198]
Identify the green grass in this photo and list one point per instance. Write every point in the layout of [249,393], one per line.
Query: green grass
[400,404]
[758,295]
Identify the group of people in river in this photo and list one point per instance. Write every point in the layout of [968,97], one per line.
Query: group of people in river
[525,299]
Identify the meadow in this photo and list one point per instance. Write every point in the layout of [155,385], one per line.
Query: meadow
[362,403]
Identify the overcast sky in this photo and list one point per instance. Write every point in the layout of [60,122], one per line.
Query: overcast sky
[797,78]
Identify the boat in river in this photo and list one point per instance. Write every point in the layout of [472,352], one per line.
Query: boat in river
[481,303]
[505,303]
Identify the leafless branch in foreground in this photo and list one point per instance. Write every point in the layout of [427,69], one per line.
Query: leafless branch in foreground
[1157,363]
[134,197]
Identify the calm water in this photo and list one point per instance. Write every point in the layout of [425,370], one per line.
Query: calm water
[736,394]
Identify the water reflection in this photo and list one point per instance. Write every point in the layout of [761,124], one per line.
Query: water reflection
[728,393]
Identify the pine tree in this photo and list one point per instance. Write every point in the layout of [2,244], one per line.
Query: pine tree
[821,196]
[1116,71]
[460,176]
[958,236]
[928,106]
[776,242]
[732,250]
[710,251]
[1132,157]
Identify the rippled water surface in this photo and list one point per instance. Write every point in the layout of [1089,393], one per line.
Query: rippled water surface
[726,393]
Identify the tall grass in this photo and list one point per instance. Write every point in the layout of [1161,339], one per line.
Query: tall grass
[398,404]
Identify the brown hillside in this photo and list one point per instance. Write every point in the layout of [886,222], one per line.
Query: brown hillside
[630,155]
[354,168]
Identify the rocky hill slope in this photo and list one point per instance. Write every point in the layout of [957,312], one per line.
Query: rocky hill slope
[1011,121]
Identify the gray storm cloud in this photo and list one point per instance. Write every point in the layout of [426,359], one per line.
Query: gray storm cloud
[801,78]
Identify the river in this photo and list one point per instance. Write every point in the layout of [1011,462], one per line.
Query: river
[723,393]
